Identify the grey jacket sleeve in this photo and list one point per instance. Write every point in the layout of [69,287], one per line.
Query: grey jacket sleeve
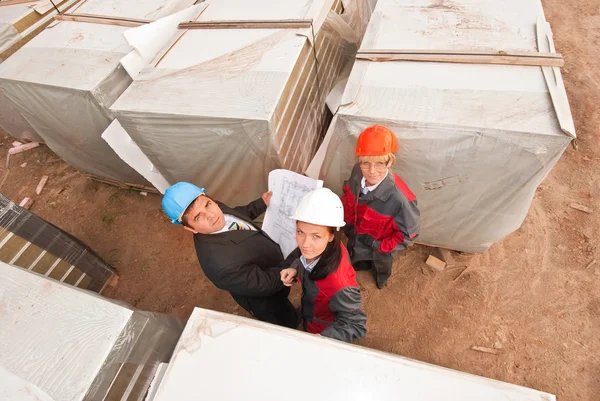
[350,320]
[408,222]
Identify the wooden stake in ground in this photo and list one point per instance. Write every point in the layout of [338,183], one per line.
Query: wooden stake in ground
[40,186]
[435,263]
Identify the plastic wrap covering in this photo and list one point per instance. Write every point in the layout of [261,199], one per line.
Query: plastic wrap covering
[475,140]
[14,123]
[223,107]
[19,23]
[225,357]
[58,343]
[28,241]
[64,81]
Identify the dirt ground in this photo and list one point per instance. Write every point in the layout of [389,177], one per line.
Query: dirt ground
[530,296]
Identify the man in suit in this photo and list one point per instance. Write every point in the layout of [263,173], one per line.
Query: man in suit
[233,252]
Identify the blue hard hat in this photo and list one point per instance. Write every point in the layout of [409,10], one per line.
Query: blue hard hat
[178,197]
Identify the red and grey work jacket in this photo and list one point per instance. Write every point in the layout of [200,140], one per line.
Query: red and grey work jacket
[332,306]
[382,221]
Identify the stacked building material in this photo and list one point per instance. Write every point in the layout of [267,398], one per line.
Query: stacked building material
[30,242]
[475,140]
[21,21]
[225,357]
[239,93]
[61,343]
[64,81]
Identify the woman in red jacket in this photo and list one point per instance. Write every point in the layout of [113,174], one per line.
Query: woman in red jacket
[331,301]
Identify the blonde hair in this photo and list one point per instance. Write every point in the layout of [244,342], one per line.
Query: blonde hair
[389,159]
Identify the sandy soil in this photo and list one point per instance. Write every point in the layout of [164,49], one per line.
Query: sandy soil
[530,296]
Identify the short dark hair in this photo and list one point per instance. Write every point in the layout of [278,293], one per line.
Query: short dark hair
[330,258]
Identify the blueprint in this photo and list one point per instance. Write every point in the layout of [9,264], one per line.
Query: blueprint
[288,188]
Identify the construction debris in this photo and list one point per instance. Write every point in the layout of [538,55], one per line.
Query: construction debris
[17,143]
[40,186]
[435,263]
[446,256]
[23,148]
[26,203]
[581,208]
[486,350]
[24,164]
[592,263]
[144,193]
[461,273]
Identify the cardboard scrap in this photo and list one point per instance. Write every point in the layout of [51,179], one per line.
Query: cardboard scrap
[581,208]
[435,263]
[40,186]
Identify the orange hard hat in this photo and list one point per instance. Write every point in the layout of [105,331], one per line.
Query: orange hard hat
[376,140]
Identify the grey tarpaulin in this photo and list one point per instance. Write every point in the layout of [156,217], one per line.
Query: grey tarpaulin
[475,140]
[222,108]
[65,79]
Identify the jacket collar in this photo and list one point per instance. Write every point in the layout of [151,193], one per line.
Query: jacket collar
[236,236]
[382,192]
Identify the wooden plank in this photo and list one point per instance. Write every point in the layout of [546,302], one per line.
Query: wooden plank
[59,270]
[29,256]
[446,256]
[123,185]
[84,282]
[73,276]
[465,59]
[555,83]
[45,263]
[41,185]
[435,263]
[102,19]
[11,248]
[461,52]
[248,24]
[13,2]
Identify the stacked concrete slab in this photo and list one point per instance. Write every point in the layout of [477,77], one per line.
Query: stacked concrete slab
[475,140]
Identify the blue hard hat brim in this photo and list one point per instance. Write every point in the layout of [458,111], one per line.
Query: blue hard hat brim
[178,221]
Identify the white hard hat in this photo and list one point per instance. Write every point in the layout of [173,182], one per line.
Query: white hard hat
[321,207]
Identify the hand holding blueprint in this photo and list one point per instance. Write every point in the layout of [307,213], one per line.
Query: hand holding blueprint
[288,188]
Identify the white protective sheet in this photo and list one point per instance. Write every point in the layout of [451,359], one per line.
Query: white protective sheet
[475,140]
[288,189]
[64,81]
[61,343]
[225,357]
[221,108]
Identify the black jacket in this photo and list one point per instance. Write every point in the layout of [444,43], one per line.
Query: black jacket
[247,264]
[241,262]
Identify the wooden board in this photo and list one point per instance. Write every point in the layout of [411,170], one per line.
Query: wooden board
[100,19]
[13,2]
[464,57]
[123,185]
[248,24]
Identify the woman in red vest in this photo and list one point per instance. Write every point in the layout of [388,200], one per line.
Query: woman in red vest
[331,301]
